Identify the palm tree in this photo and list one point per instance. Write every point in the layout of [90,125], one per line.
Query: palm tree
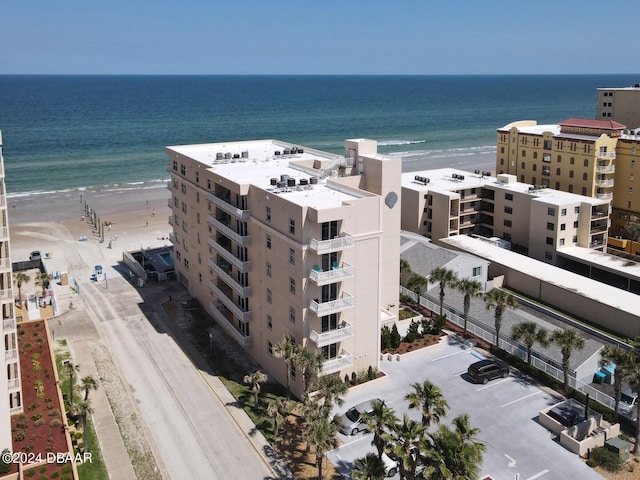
[404,266]
[416,284]
[332,389]
[88,383]
[82,409]
[455,454]
[405,439]
[370,467]
[71,368]
[624,362]
[446,278]
[310,364]
[321,435]
[568,341]
[255,379]
[634,383]
[470,289]
[502,301]
[378,421]
[529,333]
[632,231]
[43,281]
[287,350]
[429,399]
[276,410]
[20,278]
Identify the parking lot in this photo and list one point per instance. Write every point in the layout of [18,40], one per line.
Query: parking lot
[505,411]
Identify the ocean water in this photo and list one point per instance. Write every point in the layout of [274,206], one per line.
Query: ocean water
[74,132]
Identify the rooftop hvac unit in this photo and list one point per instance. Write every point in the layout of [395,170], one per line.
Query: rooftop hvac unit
[291,182]
[274,181]
[313,180]
[276,153]
[245,154]
[304,181]
[219,156]
[227,155]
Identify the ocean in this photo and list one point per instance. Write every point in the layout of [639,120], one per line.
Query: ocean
[67,133]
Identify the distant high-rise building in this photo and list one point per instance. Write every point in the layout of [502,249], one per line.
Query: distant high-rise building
[621,105]
[279,241]
[11,400]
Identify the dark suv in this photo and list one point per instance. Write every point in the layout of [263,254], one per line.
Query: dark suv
[486,370]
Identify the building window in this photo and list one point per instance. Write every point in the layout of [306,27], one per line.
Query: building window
[570,173]
[549,241]
[507,223]
[557,185]
[586,162]
[292,226]
[200,278]
[198,218]
[524,153]
[477,271]
[292,256]
[547,145]
[585,176]
[557,171]
[183,188]
[546,170]
[570,188]
[559,158]
[563,226]
[267,214]
[268,269]
[630,190]
[563,212]
[186,264]
[576,209]
[175,165]
[508,196]
[268,240]
[508,210]
[208,184]
[183,169]
[584,191]
[572,161]
[546,158]
[561,241]
[292,285]
[551,211]
[551,226]
[270,349]
[575,239]
[269,296]
[269,322]
[535,167]
[197,197]
[535,155]
[197,177]
[548,255]
[521,178]
[292,315]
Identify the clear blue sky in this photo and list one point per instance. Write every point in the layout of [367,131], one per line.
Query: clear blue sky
[318,37]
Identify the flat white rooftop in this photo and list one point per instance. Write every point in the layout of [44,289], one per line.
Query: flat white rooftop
[601,260]
[451,179]
[605,294]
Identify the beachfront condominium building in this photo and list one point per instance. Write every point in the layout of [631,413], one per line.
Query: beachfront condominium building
[596,158]
[11,399]
[530,219]
[278,240]
[621,105]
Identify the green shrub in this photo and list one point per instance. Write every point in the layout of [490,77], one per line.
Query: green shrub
[395,337]
[412,332]
[33,406]
[370,374]
[354,378]
[20,434]
[54,413]
[56,422]
[4,467]
[346,378]
[606,459]
[39,422]
[385,337]
[438,324]
[35,416]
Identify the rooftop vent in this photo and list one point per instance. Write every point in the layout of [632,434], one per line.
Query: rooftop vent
[423,180]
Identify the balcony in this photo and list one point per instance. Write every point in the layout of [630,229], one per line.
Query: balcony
[11,354]
[6,294]
[230,257]
[608,155]
[332,306]
[604,183]
[336,274]
[171,221]
[227,207]
[327,246]
[228,327]
[4,233]
[604,196]
[595,213]
[332,336]
[13,384]
[336,364]
[5,263]
[169,203]
[9,325]
[229,280]
[172,238]
[606,169]
[235,309]
[242,240]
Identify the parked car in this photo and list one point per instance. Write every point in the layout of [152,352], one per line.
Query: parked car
[390,466]
[35,255]
[351,421]
[486,370]
[628,407]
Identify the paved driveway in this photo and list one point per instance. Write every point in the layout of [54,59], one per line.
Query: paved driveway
[505,411]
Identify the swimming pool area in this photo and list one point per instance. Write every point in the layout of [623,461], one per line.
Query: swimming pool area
[166,258]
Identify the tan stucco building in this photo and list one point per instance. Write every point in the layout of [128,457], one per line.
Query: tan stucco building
[620,104]
[596,158]
[278,240]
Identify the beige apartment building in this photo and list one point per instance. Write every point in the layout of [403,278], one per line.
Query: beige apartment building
[11,400]
[278,240]
[530,219]
[621,105]
[596,158]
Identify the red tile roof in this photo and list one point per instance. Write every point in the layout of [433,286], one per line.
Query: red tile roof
[588,123]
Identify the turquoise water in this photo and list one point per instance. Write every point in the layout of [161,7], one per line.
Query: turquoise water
[166,257]
[71,132]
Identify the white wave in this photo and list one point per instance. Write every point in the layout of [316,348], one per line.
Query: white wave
[390,143]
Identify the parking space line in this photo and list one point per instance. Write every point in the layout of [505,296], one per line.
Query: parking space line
[450,355]
[492,384]
[459,373]
[521,398]
[539,474]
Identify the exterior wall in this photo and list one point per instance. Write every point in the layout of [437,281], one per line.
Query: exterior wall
[626,192]
[619,104]
[413,214]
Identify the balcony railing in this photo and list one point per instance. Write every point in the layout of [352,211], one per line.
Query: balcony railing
[229,280]
[336,274]
[242,240]
[11,354]
[9,325]
[4,232]
[235,309]
[336,364]
[170,203]
[228,327]
[5,263]
[332,306]
[606,169]
[606,154]
[604,183]
[332,336]
[13,384]
[604,196]
[332,245]
[172,238]
[227,207]
[230,257]
[6,294]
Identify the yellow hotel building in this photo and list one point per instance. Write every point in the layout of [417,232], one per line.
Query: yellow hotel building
[596,158]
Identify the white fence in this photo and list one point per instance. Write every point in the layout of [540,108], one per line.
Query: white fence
[487,333]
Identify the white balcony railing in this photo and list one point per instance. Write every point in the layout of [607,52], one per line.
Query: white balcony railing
[11,354]
[606,154]
[332,306]
[243,240]
[606,169]
[604,196]
[336,274]
[228,327]
[332,336]
[229,280]
[6,294]
[227,207]
[336,364]
[5,263]
[9,325]
[13,384]
[331,245]
[604,183]
[230,257]
[4,232]
[235,309]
